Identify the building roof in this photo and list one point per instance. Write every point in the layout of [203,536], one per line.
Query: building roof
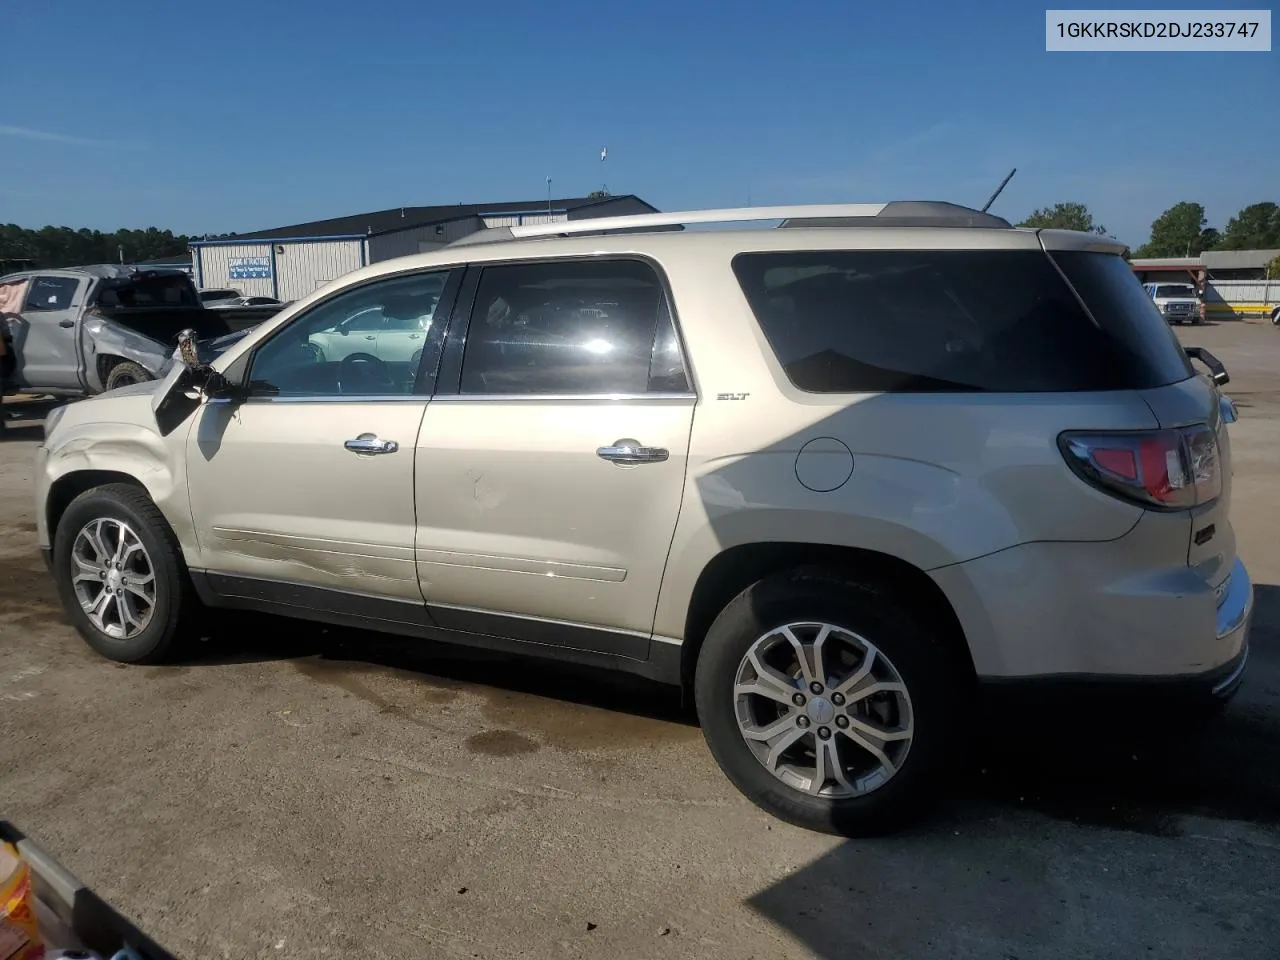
[1209,260]
[1238,259]
[403,218]
[1166,263]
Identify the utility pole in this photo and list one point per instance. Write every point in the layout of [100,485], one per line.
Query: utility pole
[548,196]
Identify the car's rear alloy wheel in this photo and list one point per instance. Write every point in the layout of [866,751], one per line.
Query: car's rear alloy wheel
[113,577]
[823,710]
[833,701]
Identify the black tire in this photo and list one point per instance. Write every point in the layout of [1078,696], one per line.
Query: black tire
[124,373]
[175,602]
[1275,317]
[935,682]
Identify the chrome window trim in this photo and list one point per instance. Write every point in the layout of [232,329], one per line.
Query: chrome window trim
[348,398]
[472,398]
[559,397]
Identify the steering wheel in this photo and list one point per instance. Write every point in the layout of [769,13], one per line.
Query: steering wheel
[361,371]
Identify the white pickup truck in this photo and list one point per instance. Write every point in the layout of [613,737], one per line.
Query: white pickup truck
[1177,302]
[80,331]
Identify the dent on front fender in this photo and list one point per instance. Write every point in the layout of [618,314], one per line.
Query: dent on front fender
[120,448]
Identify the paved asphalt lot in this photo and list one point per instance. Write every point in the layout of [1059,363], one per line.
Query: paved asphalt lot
[310,793]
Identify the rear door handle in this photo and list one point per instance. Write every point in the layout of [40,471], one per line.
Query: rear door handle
[369,443]
[626,451]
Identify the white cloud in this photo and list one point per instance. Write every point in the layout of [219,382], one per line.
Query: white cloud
[46,136]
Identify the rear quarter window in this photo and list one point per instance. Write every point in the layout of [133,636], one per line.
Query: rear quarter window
[957,321]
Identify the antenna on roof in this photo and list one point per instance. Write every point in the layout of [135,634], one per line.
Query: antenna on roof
[999,190]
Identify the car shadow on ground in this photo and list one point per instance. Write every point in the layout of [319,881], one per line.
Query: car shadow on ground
[1130,771]
[1053,776]
[329,653]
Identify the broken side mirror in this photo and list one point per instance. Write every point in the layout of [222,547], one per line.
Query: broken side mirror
[197,382]
[198,375]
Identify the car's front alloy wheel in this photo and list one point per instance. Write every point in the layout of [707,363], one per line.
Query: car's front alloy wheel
[121,576]
[113,577]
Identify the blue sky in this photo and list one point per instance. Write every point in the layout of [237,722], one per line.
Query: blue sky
[229,115]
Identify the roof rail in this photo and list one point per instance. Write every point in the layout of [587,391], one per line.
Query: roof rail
[681,218]
[897,213]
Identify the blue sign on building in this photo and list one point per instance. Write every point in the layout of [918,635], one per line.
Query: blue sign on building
[249,268]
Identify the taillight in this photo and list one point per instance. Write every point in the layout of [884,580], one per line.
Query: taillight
[1169,469]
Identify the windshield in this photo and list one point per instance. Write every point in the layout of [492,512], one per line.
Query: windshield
[1176,290]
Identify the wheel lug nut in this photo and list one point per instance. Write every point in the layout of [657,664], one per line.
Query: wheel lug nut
[824,733]
[816,687]
[802,722]
[798,699]
[837,698]
[842,722]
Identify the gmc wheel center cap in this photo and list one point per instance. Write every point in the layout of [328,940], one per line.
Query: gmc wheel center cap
[821,710]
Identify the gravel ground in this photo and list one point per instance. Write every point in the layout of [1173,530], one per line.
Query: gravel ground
[301,792]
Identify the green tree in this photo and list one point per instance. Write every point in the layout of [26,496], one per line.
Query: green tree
[1064,216]
[63,247]
[1256,227]
[1179,232]
[1273,269]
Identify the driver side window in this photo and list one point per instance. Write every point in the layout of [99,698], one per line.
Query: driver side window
[332,350]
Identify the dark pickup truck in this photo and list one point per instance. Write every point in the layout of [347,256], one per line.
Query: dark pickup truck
[85,330]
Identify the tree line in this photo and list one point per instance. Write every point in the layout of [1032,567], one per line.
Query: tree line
[1181,231]
[65,247]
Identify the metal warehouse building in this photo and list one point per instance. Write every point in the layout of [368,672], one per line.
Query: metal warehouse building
[291,262]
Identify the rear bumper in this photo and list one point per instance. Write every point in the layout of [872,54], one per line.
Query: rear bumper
[1161,695]
[1107,695]
[1113,612]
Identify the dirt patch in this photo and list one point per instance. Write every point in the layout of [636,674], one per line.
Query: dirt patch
[27,593]
[353,678]
[500,743]
[579,726]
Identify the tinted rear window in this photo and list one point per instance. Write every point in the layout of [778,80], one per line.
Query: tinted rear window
[957,320]
[1117,301]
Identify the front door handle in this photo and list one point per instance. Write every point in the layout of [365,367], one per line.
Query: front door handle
[371,336]
[625,452]
[66,323]
[370,444]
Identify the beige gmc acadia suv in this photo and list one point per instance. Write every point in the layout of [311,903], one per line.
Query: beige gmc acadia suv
[836,479]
